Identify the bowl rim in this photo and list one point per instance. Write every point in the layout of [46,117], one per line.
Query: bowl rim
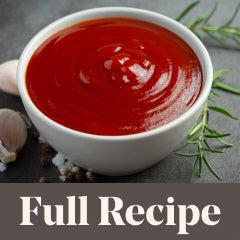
[202,98]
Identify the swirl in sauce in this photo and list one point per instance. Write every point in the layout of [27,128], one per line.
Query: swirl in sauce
[114,76]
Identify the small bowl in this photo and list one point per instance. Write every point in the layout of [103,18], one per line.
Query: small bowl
[116,155]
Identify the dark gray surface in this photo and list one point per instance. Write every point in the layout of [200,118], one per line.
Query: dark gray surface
[21,20]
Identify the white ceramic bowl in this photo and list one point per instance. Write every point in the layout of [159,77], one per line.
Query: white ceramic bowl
[116,155]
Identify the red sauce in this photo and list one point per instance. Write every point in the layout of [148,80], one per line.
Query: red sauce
[114,76]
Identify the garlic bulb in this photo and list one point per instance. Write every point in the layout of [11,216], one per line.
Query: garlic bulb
[8,77]
[13,134]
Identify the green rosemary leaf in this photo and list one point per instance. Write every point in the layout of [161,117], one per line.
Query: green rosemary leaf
[219,73]
[211,13]
[233,16]
[211,130]
[229,32]
[187,154]
[193,170]
[217,135]
[200,160]
[225,143]
[187,10]
[212,150]
[193,141]
[211,169]
[193,138]
[225,87]
[208,28]
[214,133]
[222,111]
[233,30]
[194,130]
[189,142]
[194,22]
[206,143]
[182,147]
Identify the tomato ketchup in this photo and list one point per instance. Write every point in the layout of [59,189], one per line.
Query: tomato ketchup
[114,76]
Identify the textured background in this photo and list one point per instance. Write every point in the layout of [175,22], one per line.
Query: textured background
[21,20]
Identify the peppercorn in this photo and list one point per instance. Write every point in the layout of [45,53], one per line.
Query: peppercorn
[35,134]
[70,177]
[45,161]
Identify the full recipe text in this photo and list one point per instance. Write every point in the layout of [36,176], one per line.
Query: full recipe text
[113,211]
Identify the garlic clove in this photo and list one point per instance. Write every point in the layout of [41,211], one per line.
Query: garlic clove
[8,77]
[13,134]
[5,155]
[3,167]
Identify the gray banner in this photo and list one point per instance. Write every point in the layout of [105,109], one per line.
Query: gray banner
[225,196]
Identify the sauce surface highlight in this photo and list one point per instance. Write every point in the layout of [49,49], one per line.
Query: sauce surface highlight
[114,77]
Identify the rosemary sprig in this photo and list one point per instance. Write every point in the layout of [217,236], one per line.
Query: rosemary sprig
[199,136]
[201,133]
[187,10]
[201,24]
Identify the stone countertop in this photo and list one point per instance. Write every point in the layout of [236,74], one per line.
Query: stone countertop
[21,20]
